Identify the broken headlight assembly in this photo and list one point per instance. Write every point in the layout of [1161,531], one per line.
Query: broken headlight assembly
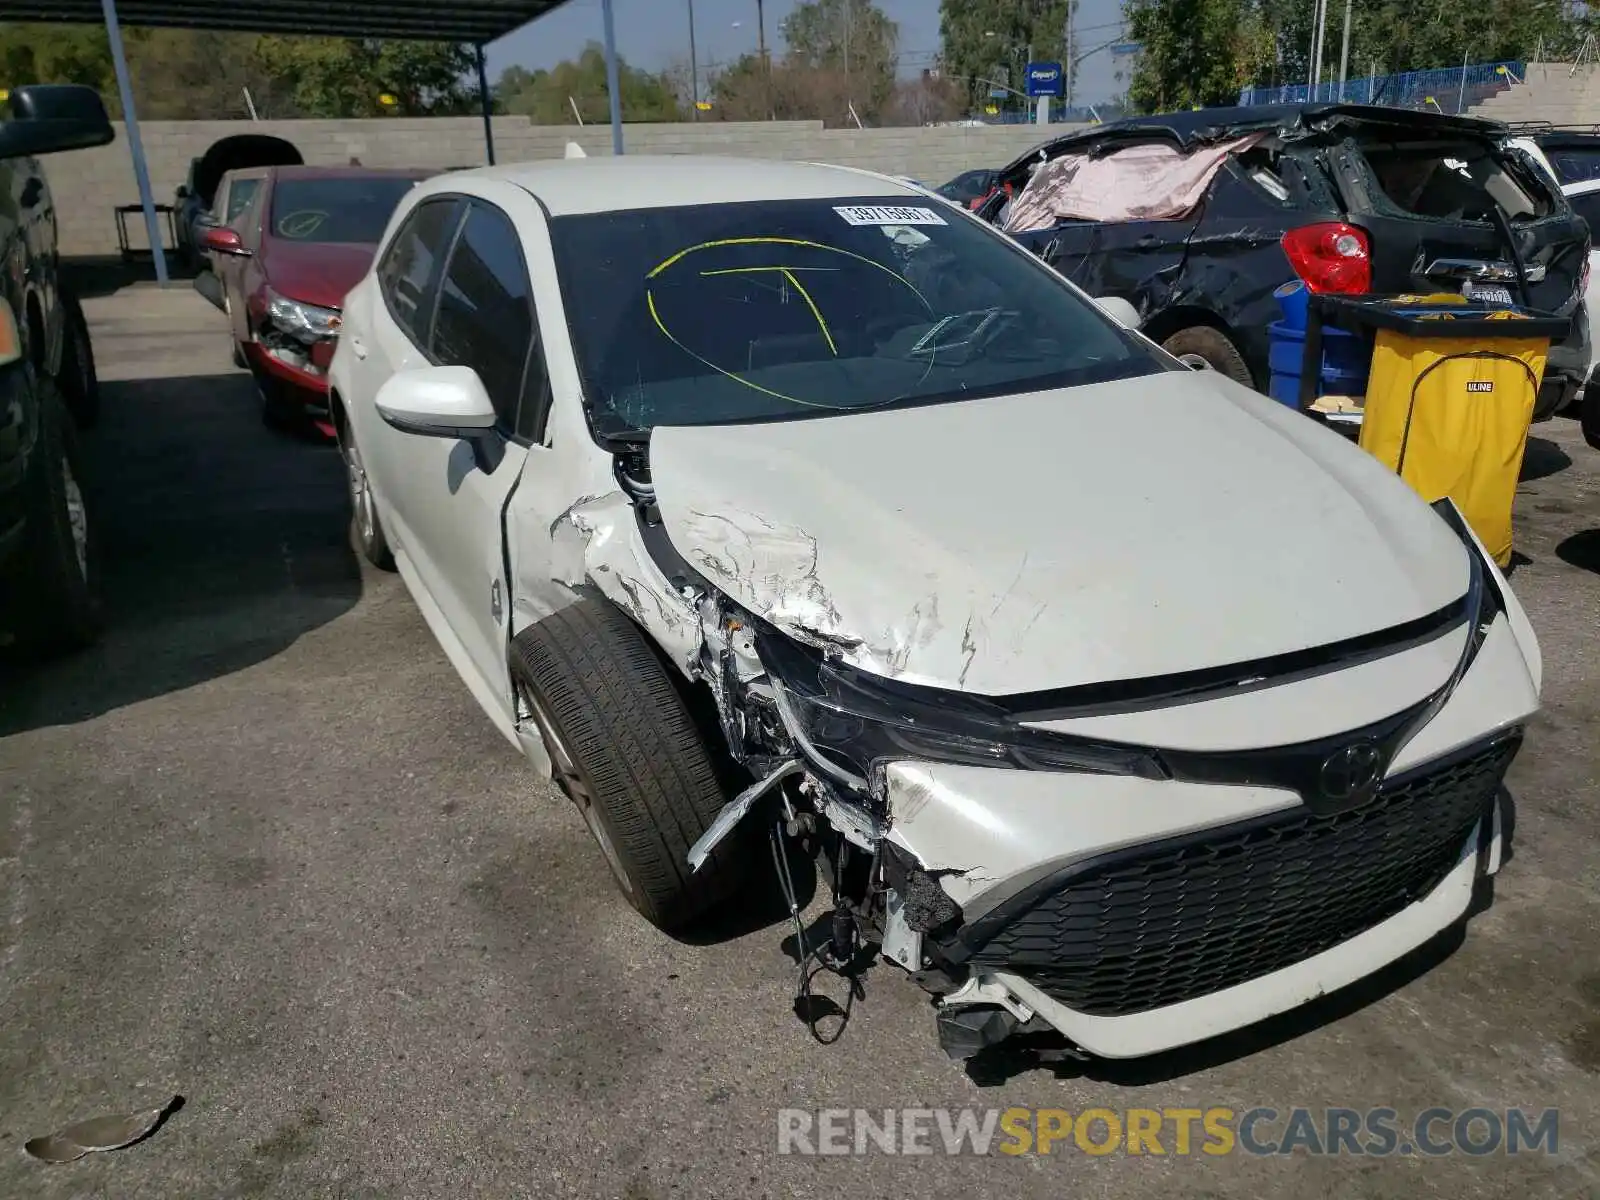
[849,722]
[306,323]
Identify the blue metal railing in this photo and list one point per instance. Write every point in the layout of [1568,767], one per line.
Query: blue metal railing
[1446,89]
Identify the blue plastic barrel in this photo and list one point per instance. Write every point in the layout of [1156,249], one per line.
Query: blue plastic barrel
[1346,362]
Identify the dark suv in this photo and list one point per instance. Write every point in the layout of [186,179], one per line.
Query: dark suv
[1348,198]
[48,389]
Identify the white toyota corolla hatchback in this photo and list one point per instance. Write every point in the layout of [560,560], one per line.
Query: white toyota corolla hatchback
[782,510]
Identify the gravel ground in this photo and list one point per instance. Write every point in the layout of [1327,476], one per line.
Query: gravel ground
[260,849]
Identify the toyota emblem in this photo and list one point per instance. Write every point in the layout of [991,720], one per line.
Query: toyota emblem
[1351,774]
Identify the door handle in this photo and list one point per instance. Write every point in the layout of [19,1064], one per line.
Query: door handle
[358,347]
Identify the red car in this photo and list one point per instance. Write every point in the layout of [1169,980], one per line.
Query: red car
[285,264]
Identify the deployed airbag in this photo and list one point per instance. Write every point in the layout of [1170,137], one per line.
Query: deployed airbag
[1152,181]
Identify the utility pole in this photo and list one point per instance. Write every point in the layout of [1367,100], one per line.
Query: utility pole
[848,14]
[761,51]
[1344,51]
[1067,65]
[1311,55]
[694,69]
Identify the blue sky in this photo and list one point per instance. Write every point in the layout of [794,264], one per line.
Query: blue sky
[655,33]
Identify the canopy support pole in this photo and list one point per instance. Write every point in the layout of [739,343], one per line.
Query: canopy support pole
[611,77]
[486,99]
[130,119]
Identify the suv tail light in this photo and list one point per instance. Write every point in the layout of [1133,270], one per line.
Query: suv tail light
[1331,257]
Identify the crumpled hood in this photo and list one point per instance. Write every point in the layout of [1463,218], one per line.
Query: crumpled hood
[1052,539]
[320,273]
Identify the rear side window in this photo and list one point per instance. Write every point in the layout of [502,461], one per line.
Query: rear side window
[485,317]
[409,272]
[1453,180]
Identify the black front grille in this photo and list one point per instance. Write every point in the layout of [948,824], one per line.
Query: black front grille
[1189,916]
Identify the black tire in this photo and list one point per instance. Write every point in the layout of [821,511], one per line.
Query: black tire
[277,414]
[239,360]
[1215,347]
[79,380]
[54,602]
[637,767]
[1589,418]
[1555,394]
[366,527]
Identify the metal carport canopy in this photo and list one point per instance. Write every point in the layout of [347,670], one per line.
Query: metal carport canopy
[474,21]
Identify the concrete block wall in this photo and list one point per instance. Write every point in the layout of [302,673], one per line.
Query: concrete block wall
[89,184]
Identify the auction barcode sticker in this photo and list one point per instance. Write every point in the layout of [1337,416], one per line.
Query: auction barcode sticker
[881,214]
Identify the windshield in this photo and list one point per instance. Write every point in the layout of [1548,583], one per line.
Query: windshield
[337,208]
[776,310]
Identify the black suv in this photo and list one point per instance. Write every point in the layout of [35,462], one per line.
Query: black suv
[48,390]
[1348,198]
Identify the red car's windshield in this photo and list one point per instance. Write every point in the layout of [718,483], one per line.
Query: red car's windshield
[336,208]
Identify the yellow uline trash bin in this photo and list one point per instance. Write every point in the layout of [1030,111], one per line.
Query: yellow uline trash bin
[1449,401]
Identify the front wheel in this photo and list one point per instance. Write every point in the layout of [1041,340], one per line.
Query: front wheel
[625,749]
[54,594]
[239,359]
[1214,346]
[366,530]
[78,378]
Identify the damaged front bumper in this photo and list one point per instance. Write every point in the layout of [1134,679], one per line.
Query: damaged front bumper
[1134,914]
[290,354]
[1128,948]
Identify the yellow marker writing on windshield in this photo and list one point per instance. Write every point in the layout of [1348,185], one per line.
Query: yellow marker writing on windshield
[783,241]
[788,274]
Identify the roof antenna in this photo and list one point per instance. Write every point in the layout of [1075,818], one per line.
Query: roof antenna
[575,151]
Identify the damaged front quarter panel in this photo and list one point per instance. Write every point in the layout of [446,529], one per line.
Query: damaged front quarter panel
[599,542]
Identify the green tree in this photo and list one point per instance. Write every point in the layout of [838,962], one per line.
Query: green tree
[185,74]
[984,42]
[850,37]
[345,77]
[1194,52]
[547,96]
[54,54]
[785,91]
[1204,51]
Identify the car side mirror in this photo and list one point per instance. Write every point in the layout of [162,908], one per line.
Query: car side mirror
[1119,310]
[49,117]
[222,240]
[446,402]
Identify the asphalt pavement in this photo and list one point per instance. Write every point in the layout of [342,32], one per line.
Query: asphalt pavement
[261,850]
